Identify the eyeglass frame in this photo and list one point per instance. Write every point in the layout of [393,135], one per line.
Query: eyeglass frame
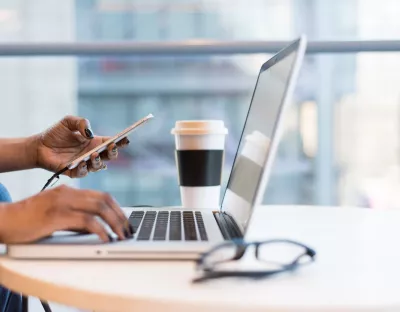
[241,247]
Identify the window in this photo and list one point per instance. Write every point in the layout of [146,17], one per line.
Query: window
[341,141]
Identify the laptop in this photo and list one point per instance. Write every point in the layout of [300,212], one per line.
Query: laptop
[177,233]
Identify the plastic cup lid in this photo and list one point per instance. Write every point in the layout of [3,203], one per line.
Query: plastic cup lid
[193,127]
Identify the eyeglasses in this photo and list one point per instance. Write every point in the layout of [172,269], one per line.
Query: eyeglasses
[273,257]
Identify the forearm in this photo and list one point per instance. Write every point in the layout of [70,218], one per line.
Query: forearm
[11,217]
[18,154]
[4,208]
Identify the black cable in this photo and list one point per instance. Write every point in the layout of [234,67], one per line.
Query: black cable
[24,304]
[45,304]
[54,176]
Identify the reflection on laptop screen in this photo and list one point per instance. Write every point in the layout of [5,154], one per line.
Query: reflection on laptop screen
[258,131]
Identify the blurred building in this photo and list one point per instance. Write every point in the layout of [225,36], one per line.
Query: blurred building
[115,91]
[341,142]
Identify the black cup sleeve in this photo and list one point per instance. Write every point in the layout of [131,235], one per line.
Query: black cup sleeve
[199,167]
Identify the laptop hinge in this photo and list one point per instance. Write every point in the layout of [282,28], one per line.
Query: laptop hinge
[228,226]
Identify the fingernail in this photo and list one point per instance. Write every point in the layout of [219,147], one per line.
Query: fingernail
[126,234]
[97,159]
[89,133]
[114,149]
[83,174]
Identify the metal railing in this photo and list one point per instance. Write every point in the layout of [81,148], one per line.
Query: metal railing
[194,47]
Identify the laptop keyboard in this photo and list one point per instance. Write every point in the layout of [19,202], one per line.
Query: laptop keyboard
[164,225]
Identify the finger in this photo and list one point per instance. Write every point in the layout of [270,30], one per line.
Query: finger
[116,207]
[101,204]
[111,202]
[123,143]
[80,171]
[112,151]
[120,144]
[104,155]
[77,231]
[95,162]
[85,222]
[80,124]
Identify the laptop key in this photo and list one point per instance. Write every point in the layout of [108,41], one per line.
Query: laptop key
[189,226]
[175,226]
[160,230]
[135,218]
[201,227]
[147,225]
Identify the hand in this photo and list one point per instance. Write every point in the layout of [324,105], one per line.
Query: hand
[68,139]
[62,208]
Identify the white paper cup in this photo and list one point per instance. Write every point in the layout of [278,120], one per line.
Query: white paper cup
[199,152]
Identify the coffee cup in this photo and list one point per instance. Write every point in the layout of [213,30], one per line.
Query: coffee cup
[199,154]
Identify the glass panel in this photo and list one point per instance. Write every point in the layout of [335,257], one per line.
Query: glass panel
[170,20]
[237,20]
[340,146]
[340,133]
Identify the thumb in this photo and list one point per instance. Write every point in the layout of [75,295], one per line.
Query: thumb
[80,124]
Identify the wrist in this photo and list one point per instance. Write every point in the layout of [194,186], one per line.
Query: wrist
[32,148]
[14,222]
[19,153]
[5,221]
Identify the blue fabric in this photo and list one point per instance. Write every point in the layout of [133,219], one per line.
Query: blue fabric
[4,195]
[9,301]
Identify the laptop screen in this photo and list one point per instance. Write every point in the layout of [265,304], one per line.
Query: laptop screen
[258,132]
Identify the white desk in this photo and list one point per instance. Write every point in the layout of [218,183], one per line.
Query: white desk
[357,269]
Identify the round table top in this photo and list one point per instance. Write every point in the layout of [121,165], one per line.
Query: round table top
[357,268]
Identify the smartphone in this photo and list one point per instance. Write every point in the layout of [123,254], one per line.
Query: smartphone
[115,139]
